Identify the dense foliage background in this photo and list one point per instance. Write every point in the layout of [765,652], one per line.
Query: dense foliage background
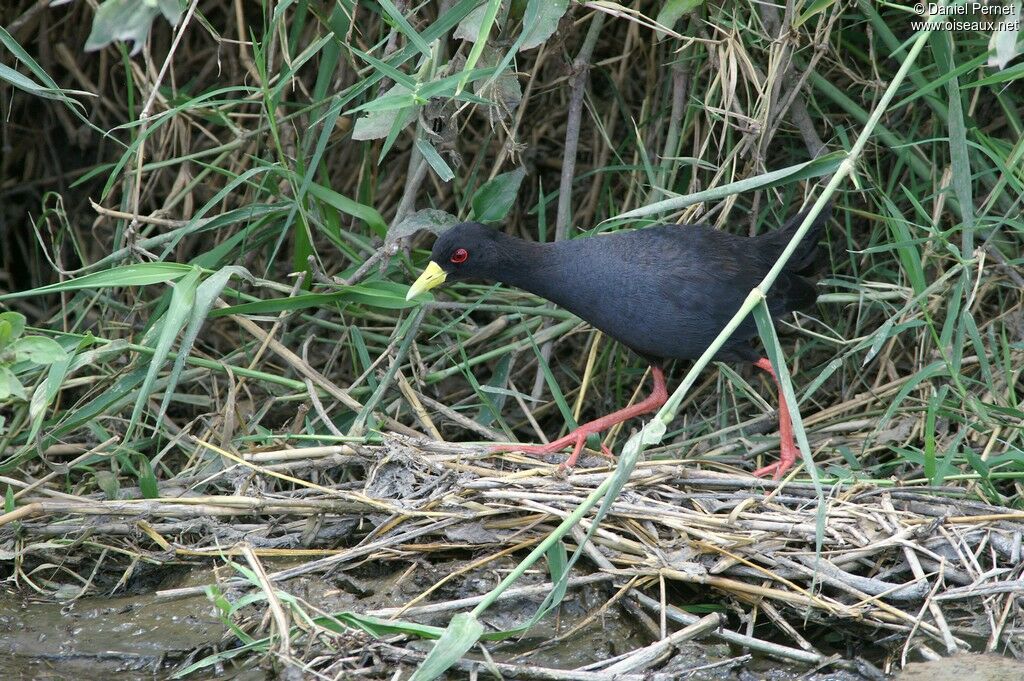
[225,209]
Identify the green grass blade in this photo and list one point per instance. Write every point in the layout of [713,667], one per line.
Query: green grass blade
[490,14]
[404,27]
[206,294]
[142,274]
[166,331]
[823,165]
[462,633]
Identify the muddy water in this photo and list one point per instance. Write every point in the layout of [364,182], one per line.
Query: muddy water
[100,638]
[141,637]
[965,668]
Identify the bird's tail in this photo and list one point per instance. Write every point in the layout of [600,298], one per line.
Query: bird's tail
[806,258]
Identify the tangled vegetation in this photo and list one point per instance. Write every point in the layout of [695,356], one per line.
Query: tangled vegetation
[210,213]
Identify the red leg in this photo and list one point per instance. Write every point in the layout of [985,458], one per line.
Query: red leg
[787,446]
[578,437]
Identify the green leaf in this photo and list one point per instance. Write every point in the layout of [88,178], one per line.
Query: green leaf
[129,20]
[166,330]
[384,69]
[12,325]
[129,275]
[404,27]
[346,205]
[493,201]
[434,159]
[881,335]
[382,116]
[462,633]
[556,390]
[1010,74]
[933,370]
[387,295]
[813,9]
[37,349]
[46,392]
[469,28]
[387,102]
[23,82]
[430,219]
[902,238]
[978,464]
[672,10]
[822,165]
[205,296]
[490,14]
[108,484]
[10,386]
[1003,43]
[929,440]
[495,396]
[49,87]
[147,480]
[558,568]
[116,396]
[549,13]
[378,627]
[944,51]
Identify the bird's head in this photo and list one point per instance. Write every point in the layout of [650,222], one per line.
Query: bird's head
[466,251]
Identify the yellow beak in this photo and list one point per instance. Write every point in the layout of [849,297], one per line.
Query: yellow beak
[432,277]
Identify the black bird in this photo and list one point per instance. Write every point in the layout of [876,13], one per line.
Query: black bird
[665,292]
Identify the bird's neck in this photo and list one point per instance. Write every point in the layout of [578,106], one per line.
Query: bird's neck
[541,268]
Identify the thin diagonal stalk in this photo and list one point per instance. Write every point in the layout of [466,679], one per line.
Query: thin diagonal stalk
[653,432]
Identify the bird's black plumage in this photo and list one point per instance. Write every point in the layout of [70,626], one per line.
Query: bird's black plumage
[665,291]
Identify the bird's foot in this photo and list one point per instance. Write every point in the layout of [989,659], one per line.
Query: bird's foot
[787,446]
[787,457]
[577,438]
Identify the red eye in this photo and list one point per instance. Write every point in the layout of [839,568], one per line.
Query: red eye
[460,255]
